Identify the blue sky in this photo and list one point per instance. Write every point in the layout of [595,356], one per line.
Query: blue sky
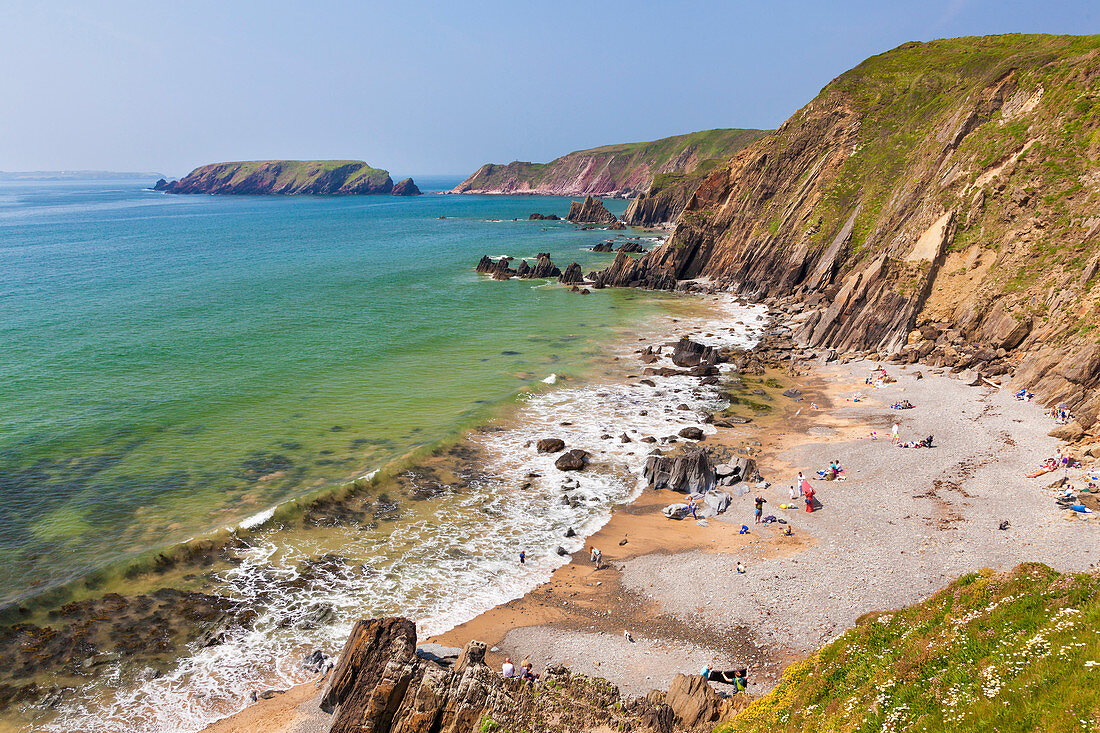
[434,87]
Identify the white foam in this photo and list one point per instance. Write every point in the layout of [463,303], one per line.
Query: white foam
[258,519]
[551,379]
[440,571]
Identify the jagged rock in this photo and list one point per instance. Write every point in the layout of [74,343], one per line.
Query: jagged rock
[160,185]
[544,268]
[550,445]
[689,471]
[524,270]
[499,270]
[632,248]
[603,247]
[572,274]
[405,187]
[690,353]
[544,217]
[616,226]
[573,460]
[792,393]
[590,211]
[694,701]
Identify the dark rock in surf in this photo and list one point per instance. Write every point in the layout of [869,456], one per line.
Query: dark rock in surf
[573,460]
[550,445]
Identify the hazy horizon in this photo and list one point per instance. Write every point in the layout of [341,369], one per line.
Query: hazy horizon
[431,88]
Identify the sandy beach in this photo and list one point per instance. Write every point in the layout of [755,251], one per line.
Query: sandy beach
[902,524]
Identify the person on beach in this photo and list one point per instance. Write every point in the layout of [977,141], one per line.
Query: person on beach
[795,493]
[803,484]
[759,512]
[507,670]
[691,506]
[596,557]
[895,437]
[522,557]
[809,493]
[799,485]
[528,673]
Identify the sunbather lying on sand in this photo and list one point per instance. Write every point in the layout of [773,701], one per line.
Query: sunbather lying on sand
[926,443]
[902,405]
[1049,465]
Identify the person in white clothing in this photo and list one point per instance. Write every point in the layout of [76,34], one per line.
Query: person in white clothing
[895,438]
[507,670]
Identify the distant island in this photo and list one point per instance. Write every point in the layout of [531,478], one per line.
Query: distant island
[289,177]
[74,175]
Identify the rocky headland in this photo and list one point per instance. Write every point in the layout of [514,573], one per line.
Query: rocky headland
[922,206]
[610,170]
[289,177]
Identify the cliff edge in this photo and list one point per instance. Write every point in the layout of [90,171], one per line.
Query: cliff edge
[289,177]
[937,202]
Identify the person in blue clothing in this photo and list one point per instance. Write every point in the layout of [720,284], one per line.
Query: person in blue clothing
[692,505]
[760,502]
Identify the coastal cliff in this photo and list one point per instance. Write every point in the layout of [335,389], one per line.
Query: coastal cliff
[611,170]
[936,202]
[289,177]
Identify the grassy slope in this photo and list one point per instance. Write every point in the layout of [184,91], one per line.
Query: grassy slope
[906,95]
[711,146]
[1012,652]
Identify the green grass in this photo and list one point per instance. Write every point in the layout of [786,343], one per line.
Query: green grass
[991,652]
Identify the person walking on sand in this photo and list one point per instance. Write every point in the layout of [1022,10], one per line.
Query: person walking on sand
[895,437]
[759,511]
[522,557]
[691,506]
[597,557]
[809,493]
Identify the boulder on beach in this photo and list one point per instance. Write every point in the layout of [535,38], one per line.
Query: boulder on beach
[550,445]
[573,460]
[691,433]
[689,471]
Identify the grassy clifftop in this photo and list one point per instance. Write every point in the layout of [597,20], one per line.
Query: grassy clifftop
[289,177]
[623,168]
[1017,651]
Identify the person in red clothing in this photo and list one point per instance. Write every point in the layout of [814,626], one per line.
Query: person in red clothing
[809,493]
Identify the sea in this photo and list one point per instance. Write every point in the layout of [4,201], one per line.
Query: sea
[181,367]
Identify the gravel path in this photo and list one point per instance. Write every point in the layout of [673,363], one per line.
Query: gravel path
[904,524]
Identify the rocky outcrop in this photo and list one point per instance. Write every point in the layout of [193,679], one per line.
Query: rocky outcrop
[290,177]
[974,214]
[544,217]
[611,170]
[589,211]
[499,270]
[382,685]
[689,471]
[663,201]
[543,268]
[405,187]
[550,445]
[572,274]
[632,248]
[603,247]
[160,185]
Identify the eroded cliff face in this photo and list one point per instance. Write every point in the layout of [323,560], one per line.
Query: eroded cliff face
[950,186]
[611,170]
[289,177]
[382,685]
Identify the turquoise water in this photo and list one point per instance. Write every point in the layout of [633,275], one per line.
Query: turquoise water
[171,365]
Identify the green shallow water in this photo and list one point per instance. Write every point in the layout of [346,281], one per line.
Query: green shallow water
[172,365]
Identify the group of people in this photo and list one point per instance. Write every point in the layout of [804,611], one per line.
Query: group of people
[902,405]
[738,678]
[525,671]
